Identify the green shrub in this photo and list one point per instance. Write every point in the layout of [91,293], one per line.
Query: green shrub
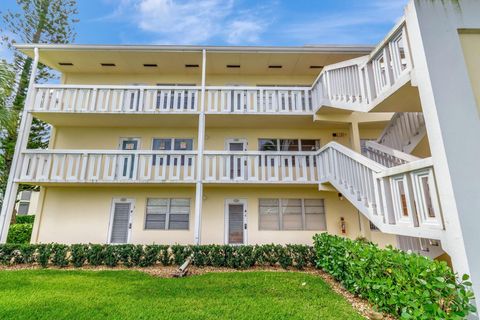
[20,233]
[78,254]
[95,254]
[24,219]
[406,285]
[59,255]
[129,255]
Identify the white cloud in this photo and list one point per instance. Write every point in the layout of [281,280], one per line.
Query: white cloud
[192,21]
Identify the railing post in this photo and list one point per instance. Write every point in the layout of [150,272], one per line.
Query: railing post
[200,147]
[23,133]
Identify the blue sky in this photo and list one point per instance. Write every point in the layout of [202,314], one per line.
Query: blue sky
[232,22]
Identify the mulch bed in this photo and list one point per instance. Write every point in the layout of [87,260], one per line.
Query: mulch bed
[359,304]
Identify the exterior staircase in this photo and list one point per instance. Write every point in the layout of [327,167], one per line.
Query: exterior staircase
[394,189]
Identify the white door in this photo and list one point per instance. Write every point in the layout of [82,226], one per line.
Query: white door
[121,221]
[238,163]
[126,163]
[235,221]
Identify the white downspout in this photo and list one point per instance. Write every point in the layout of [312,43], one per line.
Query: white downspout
[22,140]
[200,148]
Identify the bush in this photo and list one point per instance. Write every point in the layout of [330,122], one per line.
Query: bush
[128,255]
[20,233]
[406,285]
[24,219]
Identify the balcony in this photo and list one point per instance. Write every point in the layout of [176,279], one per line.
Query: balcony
[260,167]
[106,167]
[45,167]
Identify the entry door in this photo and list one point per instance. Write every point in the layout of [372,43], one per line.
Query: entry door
[236,221]
[237,162]
[120,221]
[127,162]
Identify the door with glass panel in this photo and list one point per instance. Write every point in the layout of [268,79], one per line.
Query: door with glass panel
[126,162]
[237,163]
[235,221]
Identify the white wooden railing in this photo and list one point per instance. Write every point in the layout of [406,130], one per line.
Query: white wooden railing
[404,131]
[267,100]
[387,156]
[106,166]
[356,84]
[260,167]
[115,99]
[401,200]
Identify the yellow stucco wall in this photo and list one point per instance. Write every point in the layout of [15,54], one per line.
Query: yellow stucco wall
[82,214]
[470,40]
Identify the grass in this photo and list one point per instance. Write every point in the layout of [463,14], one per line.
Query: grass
[77,294]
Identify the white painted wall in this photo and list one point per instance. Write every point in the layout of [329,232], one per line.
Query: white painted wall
[452,120]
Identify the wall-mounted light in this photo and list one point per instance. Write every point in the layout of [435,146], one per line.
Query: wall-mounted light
[340,196]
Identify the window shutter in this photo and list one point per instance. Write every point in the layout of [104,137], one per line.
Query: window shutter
[292,214]
[315,214]
[269,214]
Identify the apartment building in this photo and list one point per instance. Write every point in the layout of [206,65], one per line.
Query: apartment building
[247,145]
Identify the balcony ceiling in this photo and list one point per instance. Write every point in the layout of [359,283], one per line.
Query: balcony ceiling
[171,60]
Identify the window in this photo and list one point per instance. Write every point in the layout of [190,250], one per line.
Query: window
[169,144]
[24,204]
[288,144]
[292,214]
[167,214]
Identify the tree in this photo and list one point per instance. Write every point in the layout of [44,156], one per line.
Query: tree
[36,21]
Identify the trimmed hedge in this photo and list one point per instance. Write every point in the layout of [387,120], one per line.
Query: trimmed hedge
[20,233]
[19,219]
[407,285]
[237,257]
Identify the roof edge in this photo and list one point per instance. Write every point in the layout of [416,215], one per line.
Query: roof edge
[359,49]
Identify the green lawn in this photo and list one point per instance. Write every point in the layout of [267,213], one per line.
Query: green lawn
[75,294]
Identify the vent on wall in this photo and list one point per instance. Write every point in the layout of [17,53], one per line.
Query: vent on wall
[316,67]
[65,63]
[233,66]
[107,64]
[150,65]
[275,67]
[191,66]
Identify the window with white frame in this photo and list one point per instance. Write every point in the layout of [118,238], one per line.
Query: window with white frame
[24,203]
[292,214]
[167,214]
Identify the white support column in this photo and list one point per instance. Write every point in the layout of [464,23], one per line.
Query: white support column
[10,195]
[450,104]
[200,148]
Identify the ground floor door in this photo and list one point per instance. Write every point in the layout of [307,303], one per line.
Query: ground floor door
[120,221]
[235,221]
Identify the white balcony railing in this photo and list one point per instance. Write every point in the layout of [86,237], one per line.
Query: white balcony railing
[115,99]
[356,84]
[106,166]
[261,167]
[401,200]
[258,100]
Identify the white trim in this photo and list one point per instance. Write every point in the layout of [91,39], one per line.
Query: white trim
[112,210]
[244,202]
